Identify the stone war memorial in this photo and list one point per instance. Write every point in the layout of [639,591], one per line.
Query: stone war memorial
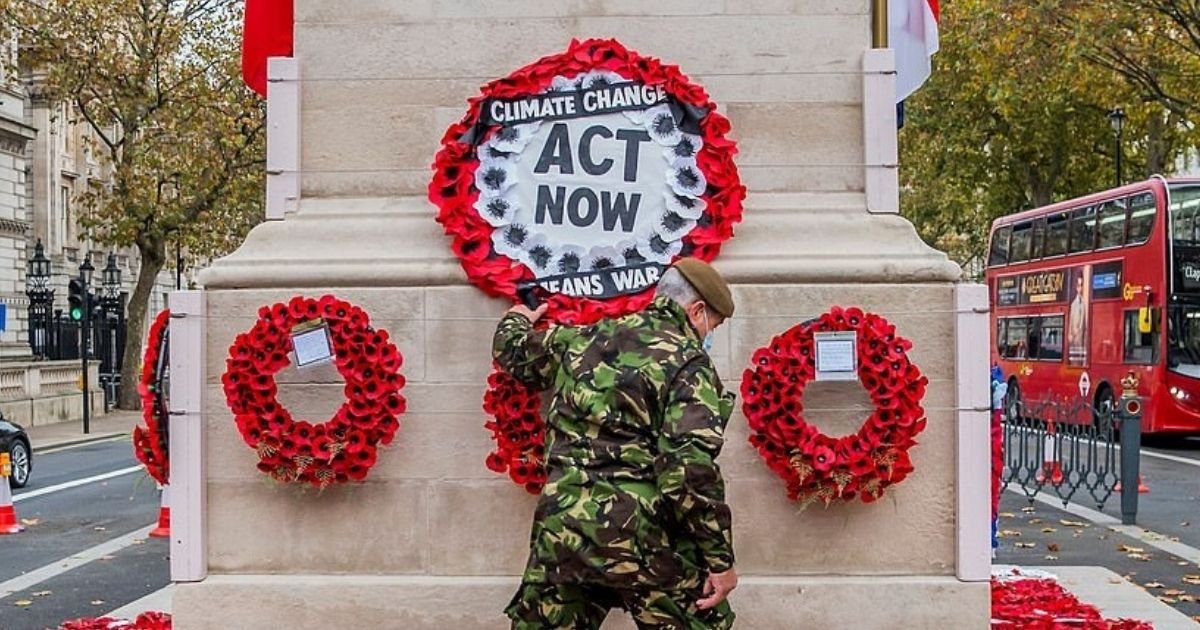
[346,455]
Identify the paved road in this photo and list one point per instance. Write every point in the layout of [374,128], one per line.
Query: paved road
[1037,534]
[87,526]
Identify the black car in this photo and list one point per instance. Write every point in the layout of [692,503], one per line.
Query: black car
[15,442]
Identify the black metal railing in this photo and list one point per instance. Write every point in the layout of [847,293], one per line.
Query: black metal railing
[57,338]
[1076,451]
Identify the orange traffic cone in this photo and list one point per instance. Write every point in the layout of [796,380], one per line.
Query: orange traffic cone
[8,515]
[164,516]
[1142,487]
[1051,466]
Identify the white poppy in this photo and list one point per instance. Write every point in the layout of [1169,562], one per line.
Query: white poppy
[511,240]
[687,179]
[514,139]
[686,151]
[569,260]
[660,122]
[685,206]
[601,78]
[539,255]
[601,257]
[498,211]
[637,116]
[629,252]
[672,226]
[655,249]
[494,177]
[564,84]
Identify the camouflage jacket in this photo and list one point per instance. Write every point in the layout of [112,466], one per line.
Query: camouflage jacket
[634,497]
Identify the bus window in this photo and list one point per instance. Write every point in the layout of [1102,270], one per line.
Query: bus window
[1022,238]
[1039,234]
[1083,230]
[1016,340]
[1141,218]
[1050,338]
[1140,348]
[999,253]
[1185,201]
[1056,235]
[1112,224]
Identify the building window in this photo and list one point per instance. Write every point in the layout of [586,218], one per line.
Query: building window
[68,219]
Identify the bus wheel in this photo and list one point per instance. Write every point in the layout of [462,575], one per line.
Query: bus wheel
[1012,402]
[1103,415]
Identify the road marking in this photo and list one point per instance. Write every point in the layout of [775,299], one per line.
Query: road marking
[1154,539]
[1171,458]
[54,569]
[75,484]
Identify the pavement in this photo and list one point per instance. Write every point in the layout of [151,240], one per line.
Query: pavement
[1126,571]
[114,424]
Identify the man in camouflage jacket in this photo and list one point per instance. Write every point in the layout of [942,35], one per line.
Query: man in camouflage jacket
[633,513]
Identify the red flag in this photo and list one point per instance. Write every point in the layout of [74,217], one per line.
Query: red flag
[267,33]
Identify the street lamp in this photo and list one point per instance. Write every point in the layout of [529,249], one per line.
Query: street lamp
[1116,117]
[85,279]
[41,299]
[112,279]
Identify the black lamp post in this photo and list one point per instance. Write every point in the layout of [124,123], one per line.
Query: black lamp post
[1116,117]
[85,278]
[41,299]
[111,280]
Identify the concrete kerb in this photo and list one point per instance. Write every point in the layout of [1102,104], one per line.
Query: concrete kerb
[50,445]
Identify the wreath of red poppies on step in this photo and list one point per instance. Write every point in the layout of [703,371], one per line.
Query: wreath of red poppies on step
[717,200]
[818,467]
[150,443]
[346,446]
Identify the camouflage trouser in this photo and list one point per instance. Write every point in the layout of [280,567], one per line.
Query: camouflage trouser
[583,607]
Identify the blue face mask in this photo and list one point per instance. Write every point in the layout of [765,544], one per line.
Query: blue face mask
[708,338]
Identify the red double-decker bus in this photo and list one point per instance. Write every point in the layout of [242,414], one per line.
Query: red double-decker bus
[1088,290]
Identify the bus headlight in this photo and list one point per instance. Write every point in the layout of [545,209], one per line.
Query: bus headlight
[1179,394]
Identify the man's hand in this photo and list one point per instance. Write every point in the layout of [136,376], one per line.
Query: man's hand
[717,587]
[533,316]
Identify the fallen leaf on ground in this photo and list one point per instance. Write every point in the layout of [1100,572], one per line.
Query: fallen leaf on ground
[1025,545]
[42,593]
[139,541]
[1187,598]
[1048,530]
[1138,556]
[22,602]
[1036,521]
[1052,547]
[1010,533]
[1192,579]
[1167,600]
[1174,592]
[1154,585]
[1007,515]
[1066,523]
[1051,557]
[30,522]
[1182,563]
[1128,549]
[1115,580]
[97,602]
[1184,524]
[1029,509]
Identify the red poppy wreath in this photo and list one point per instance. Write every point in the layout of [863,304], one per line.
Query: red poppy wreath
[345,447]
[584,173]
[818,467]
[150,443]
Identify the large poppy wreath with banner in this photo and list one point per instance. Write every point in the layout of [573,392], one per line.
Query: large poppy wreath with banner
[820,467]
[581,177]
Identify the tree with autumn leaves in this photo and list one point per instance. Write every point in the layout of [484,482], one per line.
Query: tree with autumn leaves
[159,82]
[1015,114]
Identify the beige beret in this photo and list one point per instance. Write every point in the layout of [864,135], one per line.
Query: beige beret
[708,283]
